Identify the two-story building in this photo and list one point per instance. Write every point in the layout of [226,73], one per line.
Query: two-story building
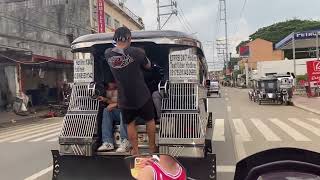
[35,38]
[261,50]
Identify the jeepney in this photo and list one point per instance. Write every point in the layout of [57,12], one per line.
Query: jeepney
[185,116]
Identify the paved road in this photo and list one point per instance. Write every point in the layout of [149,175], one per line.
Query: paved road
[25,148]
[243,128]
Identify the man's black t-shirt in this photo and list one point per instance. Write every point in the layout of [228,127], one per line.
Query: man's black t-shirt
[126,66]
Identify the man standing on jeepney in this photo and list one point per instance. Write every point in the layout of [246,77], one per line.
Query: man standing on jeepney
[126,64]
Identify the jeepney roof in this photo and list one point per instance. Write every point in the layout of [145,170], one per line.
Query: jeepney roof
[158,37]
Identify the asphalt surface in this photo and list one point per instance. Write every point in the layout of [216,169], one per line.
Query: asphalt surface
[241,128]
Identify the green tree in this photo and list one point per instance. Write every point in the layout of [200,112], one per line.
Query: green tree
[280,30]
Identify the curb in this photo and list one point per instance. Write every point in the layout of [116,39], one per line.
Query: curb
[306,108]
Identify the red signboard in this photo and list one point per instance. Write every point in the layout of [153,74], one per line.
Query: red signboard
[313,69]
[101,18]
[244,51]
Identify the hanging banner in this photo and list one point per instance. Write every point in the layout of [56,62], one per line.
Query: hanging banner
[101,17]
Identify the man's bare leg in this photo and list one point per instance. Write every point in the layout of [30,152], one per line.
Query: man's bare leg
[133,137]
[151,130]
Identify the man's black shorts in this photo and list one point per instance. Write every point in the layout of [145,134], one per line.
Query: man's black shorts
[146,112]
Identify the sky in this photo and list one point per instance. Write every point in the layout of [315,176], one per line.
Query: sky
[203,17]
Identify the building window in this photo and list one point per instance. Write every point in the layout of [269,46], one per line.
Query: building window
[108,20]
[116,24]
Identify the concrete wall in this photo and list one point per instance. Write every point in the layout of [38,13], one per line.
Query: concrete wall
[282,66]
[45,21]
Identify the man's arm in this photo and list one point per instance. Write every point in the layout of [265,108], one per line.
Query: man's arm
[146,174]
[143,59]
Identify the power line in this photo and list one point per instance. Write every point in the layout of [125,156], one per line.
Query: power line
[26,22]
[26,63]
[242,10]
[184,26]
[185,19]
[54,18]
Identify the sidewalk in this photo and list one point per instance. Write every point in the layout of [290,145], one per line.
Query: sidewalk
[308,104]
[11,117]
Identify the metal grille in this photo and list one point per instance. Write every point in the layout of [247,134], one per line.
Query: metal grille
[79,125]
[181,96]
[80,99]
[181,126]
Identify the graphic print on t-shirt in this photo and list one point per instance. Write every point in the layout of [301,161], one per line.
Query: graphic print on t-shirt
[118,62]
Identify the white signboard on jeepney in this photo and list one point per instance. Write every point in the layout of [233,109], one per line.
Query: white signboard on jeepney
[83,70]
[183,68]
[236,67]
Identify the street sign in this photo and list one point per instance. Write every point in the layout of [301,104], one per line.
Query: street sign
[83,70]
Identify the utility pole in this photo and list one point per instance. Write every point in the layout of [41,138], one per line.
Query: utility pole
[172,11]
[223,18]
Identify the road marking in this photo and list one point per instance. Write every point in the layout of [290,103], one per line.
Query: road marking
[37,135]
[240,150]
[227,99]
[53,140]
[20,135]
[226,94]
[45,137]
[218,130]
[229,108]
[226,169]
[241,130]
[268,134]
[314,120]
[40,173]
[305,125]
[289,130]
[26,130]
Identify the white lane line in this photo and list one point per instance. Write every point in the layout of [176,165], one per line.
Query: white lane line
[45,137]
[226,94]
[39,174]
[289,130]
[37,135]
[21,135]
[241,130]
[268,134]
[305,125]
[16,127]
[26,130]
[226,169]
[227,99]
[218,130]
[239,146]
[314,120]
[53,140]
[229,108]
